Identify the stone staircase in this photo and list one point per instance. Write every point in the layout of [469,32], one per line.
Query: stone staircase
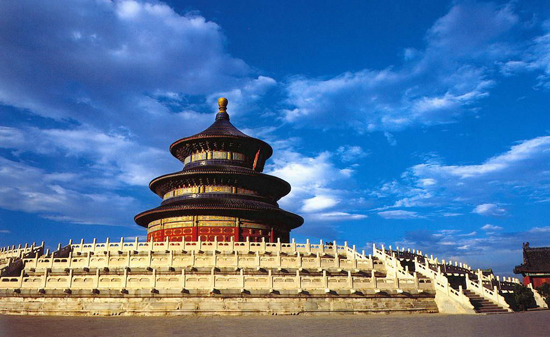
[482,305]
[480,291]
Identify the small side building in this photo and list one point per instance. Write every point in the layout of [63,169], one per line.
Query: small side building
[536,265]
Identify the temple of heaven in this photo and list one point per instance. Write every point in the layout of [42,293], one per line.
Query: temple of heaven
[221,193]
[218,244]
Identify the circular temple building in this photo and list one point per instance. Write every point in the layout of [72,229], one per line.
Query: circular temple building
[221,193]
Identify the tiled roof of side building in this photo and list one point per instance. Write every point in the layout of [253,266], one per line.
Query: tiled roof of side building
[535,259]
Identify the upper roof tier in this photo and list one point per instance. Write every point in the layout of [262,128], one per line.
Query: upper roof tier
[223,136]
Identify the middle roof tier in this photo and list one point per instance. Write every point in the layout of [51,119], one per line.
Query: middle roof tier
[211,175]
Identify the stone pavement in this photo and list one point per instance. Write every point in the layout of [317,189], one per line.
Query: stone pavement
[521,324]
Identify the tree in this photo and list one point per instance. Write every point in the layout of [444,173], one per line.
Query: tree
[544,291]
[523,296]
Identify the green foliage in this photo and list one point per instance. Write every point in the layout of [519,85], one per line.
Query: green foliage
[523,296]
[544,291]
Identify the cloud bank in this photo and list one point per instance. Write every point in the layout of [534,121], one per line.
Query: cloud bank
[520,172]
[433,86]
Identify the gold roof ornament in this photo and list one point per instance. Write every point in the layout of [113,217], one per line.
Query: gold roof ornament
[222,103]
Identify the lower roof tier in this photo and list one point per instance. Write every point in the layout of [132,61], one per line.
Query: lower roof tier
[249,209]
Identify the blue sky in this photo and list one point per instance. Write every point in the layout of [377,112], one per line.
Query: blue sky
[425,126]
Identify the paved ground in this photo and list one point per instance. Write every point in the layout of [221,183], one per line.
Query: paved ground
[522,324]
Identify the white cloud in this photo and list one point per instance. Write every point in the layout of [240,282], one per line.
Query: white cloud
[321,192]
[540,229]
[491,228]
[129,9]
[11,138]
[489,210]
[245,98]
[89,171]
[427,182]
[306,172]
[318,203]
[522,169]
[450,214]
[124,63]
[339,216]
[536,58]
[434,85]
[61,200]
[469,28]
[114,99]
[399,214]
[350,153]
[115,156]
[390,138]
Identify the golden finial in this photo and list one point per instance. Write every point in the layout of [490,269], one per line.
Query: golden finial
[222,103]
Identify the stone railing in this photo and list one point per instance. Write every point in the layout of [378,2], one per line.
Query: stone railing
[297,282]
[505,284]
[195,259]
[208,246]
[442,283]
[539,300]
[439,280]
[13,265]
[486,286]
[490,282]
[393,265]
[456,268]
[391,262]
[17,251]
[492,295]
[234,265]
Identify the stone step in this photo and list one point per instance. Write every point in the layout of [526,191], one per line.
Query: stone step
[488,307]
[502,311]
[482,305]
[483,300]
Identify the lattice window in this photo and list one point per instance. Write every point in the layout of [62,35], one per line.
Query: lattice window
[217,189]
[239,156]
[219,155]
[198,156]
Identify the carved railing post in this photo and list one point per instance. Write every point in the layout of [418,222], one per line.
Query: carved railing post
[97,278]
[241,273]
[125,282]
[213,279]
[183,278]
